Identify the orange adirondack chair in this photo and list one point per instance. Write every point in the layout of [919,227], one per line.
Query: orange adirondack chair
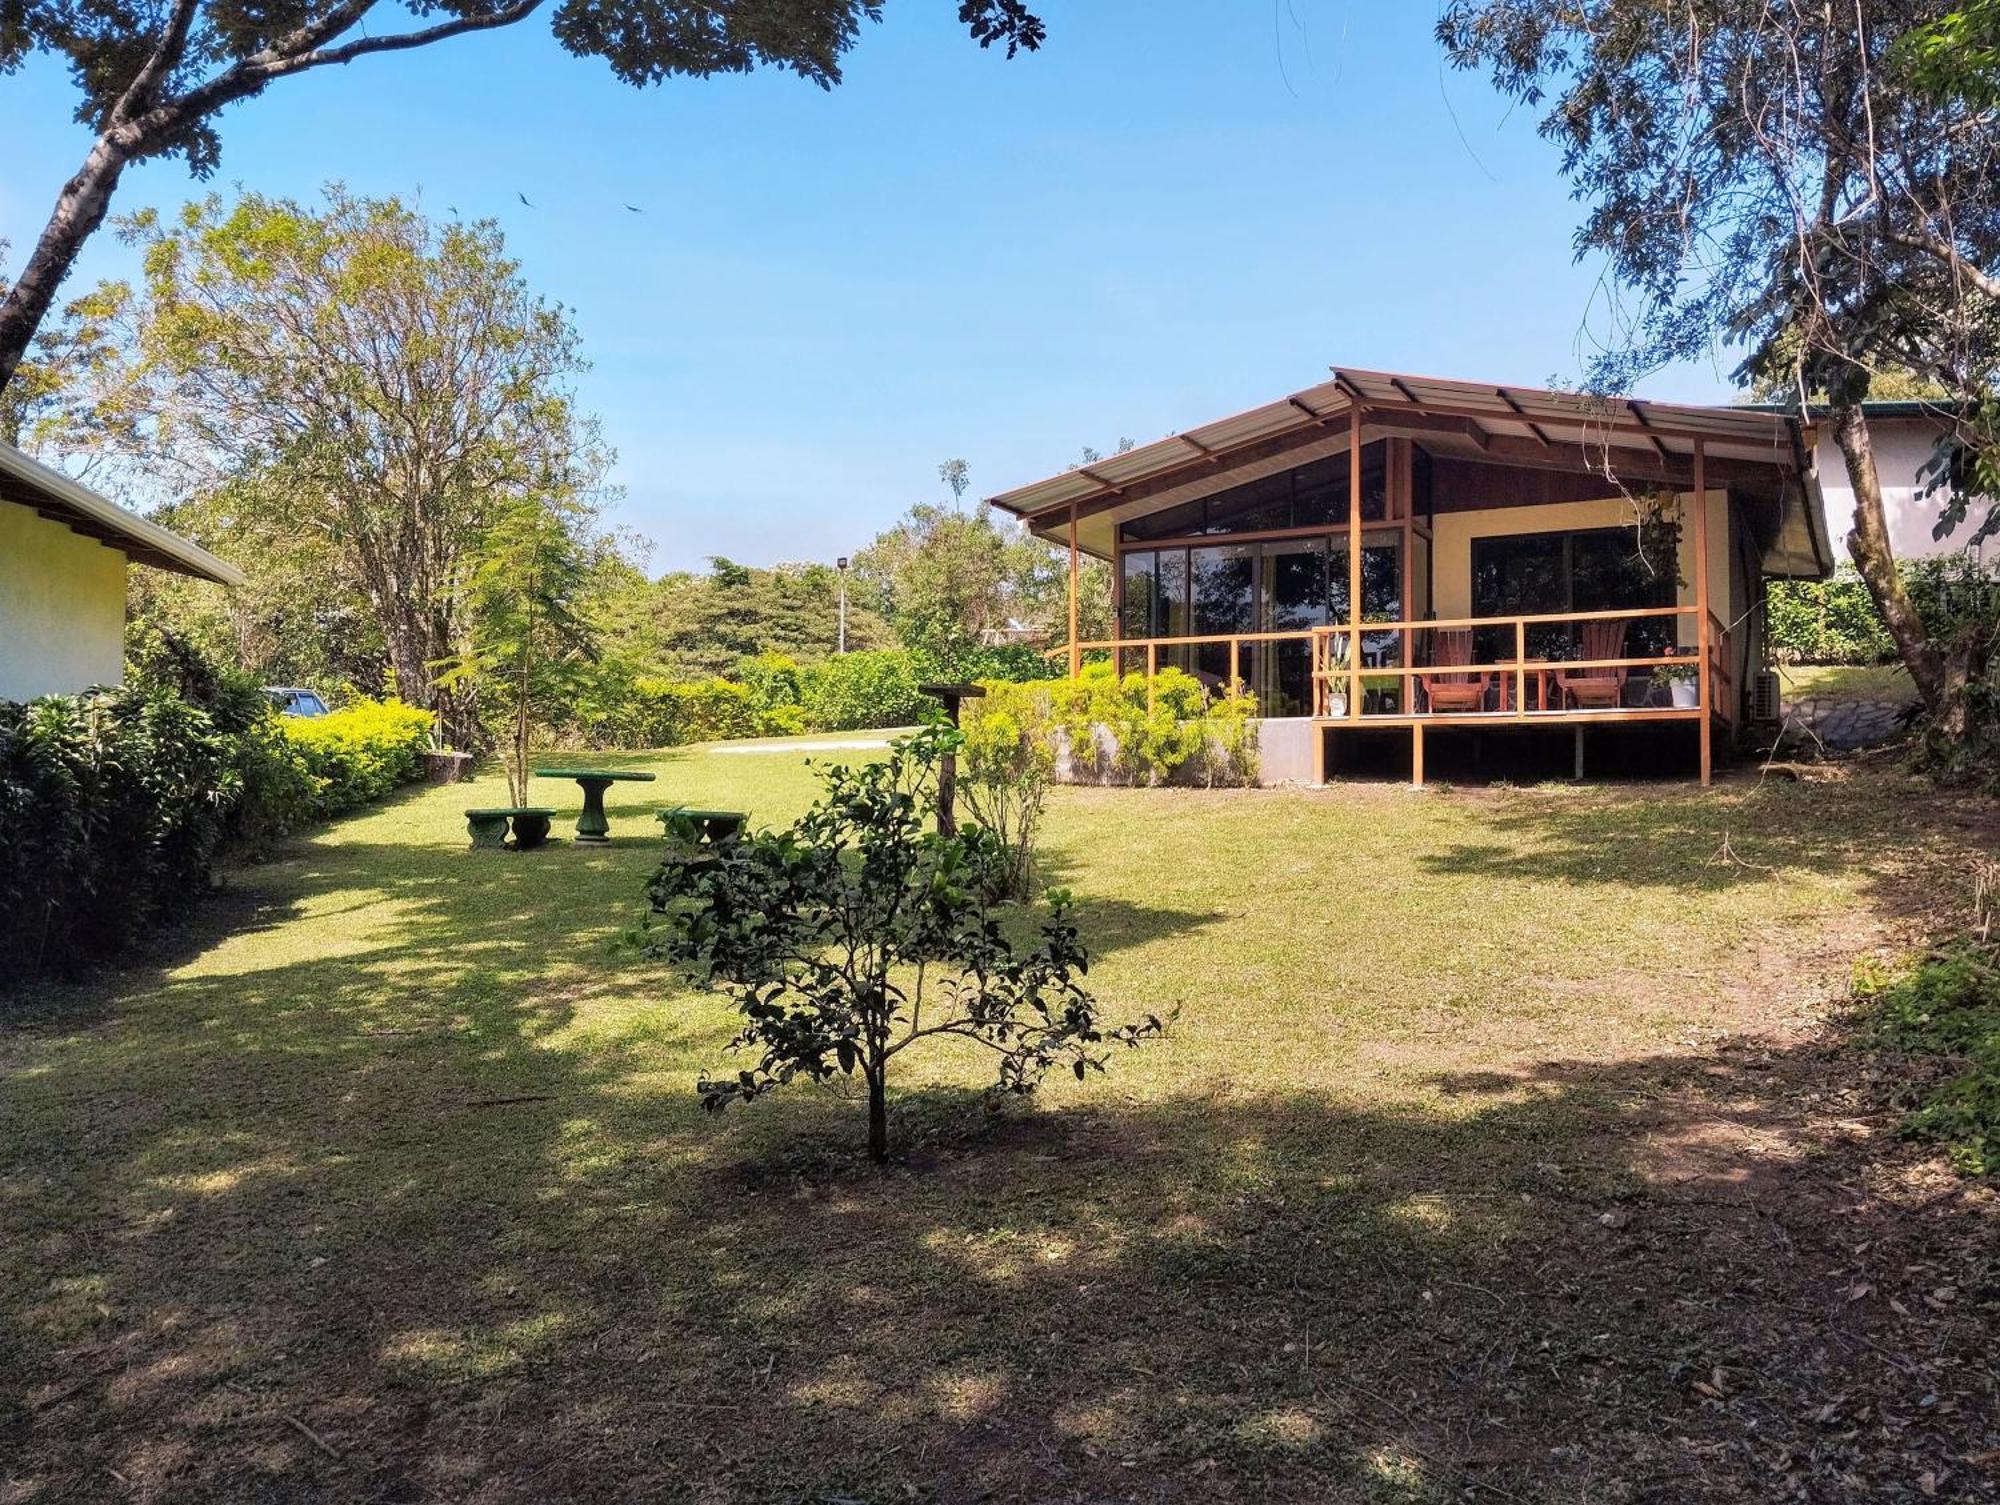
[1601,689]
[1455,692]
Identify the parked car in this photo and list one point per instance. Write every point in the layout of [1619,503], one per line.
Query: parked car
[292,701]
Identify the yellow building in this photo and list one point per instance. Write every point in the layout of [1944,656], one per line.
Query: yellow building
[1384,559]
[64,551]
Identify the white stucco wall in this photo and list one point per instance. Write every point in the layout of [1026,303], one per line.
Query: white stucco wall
[62,608]
[1902,447]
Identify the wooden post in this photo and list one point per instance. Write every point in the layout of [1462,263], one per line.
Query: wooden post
[951,695]
[1521,668]
[1235,664]
[1075,578]
[1417,754]
[1152,670]
[1354,560]
[1579,754]
[1703,679]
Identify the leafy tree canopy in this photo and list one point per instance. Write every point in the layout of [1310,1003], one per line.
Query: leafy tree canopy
[1769,177]
[153,78]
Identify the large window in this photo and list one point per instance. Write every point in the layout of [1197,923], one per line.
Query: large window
[1307,496]
[1592,569]
[1278,585]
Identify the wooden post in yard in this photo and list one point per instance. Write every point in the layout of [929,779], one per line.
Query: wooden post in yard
[1354,559]
[1417,754]
[1075,578]
[951,695]
[1703,680]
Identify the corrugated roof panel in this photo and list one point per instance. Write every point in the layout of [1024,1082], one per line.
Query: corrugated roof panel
[1564,417]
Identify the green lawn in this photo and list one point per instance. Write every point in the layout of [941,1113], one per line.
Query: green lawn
[1496,1152]
[1827,682]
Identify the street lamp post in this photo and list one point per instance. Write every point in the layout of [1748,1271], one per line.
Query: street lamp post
[841,565]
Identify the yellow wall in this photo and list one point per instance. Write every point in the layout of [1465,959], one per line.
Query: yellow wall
[62,608]
[1454,532]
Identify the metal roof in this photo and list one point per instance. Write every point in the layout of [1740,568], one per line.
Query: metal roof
[1490,411]
[61,499]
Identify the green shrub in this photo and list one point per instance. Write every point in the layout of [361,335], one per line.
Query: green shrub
[1176,730]
[115,804]
[1007,760]
[112,804]
[1944,1015]
[861,691]
[360,754]
[1835,621]
[1826,622]
[666,713]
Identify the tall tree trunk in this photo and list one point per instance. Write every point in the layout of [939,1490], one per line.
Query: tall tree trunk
[1941,683]
[80,209]
[416,641]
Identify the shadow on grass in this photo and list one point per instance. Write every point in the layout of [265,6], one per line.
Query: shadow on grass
[309,1234]
[403,1217]
[1692,840]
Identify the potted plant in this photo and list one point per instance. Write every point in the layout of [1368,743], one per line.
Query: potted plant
[1336,685]
[1678,683]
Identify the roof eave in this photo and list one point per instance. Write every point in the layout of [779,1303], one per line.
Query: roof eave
[135,536]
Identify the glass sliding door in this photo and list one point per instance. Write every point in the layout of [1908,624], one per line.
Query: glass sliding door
[1594,569]
[1155,585]
[1381,601]
[1292,595]
[1220,586]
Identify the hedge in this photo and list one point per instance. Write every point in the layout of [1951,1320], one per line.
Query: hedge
[360,753]
[774,695]
[115,804]
[1835,621]
[1826,622]
[1171,731]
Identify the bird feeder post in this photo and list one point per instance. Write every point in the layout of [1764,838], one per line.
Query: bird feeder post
[951,696]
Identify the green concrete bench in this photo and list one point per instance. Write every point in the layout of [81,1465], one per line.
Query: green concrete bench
[716,826]
[591,825]
[488,828]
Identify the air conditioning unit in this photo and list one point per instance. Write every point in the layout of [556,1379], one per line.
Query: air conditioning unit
[1764,698]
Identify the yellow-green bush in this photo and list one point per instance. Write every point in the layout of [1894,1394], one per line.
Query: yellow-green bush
[1177,732]
[360,753]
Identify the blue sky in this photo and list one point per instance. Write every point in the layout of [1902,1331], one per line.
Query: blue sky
[1174,211]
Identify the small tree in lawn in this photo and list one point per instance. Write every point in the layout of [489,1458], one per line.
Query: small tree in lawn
[861,932]
[530,643]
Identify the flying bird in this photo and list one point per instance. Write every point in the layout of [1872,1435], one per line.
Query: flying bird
[633,209]
[522,197]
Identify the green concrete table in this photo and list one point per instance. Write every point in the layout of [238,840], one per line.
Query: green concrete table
[488,828]
[591,826]
[716,825]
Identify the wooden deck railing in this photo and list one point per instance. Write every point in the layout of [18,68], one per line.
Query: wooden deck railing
[1336,671]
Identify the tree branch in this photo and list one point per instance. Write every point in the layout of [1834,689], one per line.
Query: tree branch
[1935,245]
[166,57]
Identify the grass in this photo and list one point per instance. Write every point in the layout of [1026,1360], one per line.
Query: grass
[1827,682]
[1944,1013]
[1494,1154]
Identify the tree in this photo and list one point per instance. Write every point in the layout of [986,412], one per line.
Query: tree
[697,625]
[1957,56]
[530,643]
[951,580]
[154,79]
[370,378]
[1772,177]
[296,620]
[862,933]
